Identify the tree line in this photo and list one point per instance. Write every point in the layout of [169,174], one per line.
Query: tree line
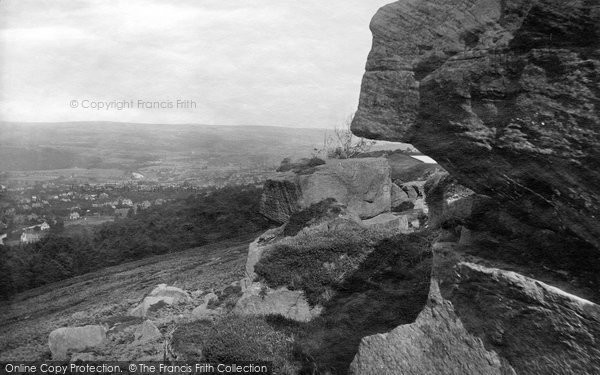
[178,225]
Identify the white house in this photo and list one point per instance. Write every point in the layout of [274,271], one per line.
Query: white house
[30,236]
[44,226]
[74,216]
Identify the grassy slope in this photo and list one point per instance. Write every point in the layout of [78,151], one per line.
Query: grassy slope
[26,322]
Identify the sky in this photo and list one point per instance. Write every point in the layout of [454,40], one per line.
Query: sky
[294,63]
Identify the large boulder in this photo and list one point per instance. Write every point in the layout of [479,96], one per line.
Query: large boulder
[362,185]
[75,339]
[483,320]
[504,95]
[280,197]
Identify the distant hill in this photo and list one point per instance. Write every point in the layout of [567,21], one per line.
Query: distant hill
[128,146]
[42,146]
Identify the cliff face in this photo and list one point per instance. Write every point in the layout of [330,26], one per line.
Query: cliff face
[503,94]
[482,320]
[482,317]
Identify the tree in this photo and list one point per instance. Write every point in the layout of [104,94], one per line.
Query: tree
[343,144]
[6,281]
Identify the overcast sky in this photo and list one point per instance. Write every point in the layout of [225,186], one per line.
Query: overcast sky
[264,62]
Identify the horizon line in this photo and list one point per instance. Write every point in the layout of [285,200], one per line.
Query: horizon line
[155,123]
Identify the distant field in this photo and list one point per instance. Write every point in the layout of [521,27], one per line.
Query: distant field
[27,320]
[100,151]
[52,174]
[132,146]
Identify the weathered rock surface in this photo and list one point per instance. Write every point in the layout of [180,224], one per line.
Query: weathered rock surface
[147,331]
[494,231]
[160,296]
[436,343]
[291,304]
[75,339]
[408,196]
[504,95]
[482,320]
[255,251]
[362,185]
[280,197]
[451,204]
[403,222]
[204,312]
[258,299]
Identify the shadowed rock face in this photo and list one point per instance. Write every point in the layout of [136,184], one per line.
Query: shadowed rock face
[482,320]
[505,95]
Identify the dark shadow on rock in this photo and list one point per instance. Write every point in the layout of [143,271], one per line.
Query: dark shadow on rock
[389,288]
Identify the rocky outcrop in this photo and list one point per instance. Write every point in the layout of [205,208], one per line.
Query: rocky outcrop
[258,299]
[408,196]
[504,95]
[324,213]
[482,320]
[280,197]
[75,339]
[362,185]
[160,296]
[436,343]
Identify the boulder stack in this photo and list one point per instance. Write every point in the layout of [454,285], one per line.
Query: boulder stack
[362,185]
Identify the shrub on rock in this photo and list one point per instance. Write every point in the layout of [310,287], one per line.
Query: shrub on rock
[316,261]
[233,339]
